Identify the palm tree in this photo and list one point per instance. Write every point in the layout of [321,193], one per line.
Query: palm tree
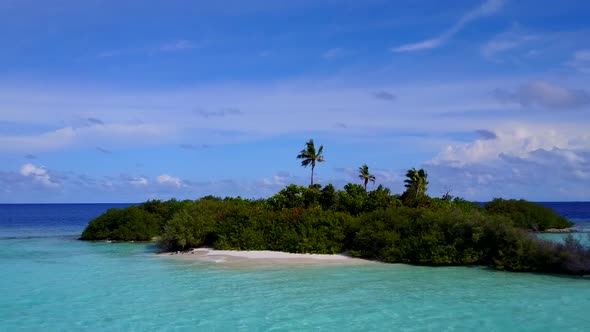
[416,181]
[310,156]
[365,176]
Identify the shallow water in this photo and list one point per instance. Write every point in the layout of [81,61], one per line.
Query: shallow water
[56,283]
[583,238]
[61,284]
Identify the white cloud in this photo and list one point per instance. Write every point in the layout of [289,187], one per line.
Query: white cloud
[423,45]
[546,94]
[489,7]
[169,180]
[275,180]
[115,134]
[513,39]
[536,163]
[515,141]
[139,181]
[493,47]
[39,175]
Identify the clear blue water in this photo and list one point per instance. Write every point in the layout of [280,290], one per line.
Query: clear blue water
[49,281]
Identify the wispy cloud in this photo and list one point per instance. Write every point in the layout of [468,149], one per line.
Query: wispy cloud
[384,95]
[167,47]
[67,137]
[95,121]
[103,150]
[187,146]
[513,39]
[334,53]
[139,181]
[487,8]
[176,46]
[218,113]
[169,118]
[581,61]
[545,94]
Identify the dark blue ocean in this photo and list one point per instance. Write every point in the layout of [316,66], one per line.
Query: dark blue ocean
[48,220]
[49,281]
[577,212]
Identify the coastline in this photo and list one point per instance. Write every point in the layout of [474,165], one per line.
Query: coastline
[559,231]
[258,257]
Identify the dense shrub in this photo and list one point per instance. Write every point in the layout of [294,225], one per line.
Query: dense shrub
[420,236]
[290,230]
[329,199]
[353,199]
[129,224]
[427,237]
[527,253]
[381,198]
[527,215]
[163,210]
[294,196]
[194,224]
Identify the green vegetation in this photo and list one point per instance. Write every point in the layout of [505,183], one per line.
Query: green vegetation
[528,215]
[430,237]
[130,224]
[416,184]
[373,225]
[412,228]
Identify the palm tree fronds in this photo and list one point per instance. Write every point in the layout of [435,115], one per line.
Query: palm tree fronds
[310,157]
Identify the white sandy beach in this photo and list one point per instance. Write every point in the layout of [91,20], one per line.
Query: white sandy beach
[263,257]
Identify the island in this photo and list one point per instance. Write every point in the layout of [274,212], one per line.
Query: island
[410,227]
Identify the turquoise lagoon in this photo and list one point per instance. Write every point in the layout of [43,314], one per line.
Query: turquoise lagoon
[52,282]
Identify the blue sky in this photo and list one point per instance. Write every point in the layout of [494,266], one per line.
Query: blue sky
[123,101]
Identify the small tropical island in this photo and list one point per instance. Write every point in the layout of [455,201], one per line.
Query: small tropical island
[410,228]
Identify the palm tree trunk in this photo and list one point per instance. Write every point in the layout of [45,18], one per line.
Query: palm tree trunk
[312,167]
[366,184]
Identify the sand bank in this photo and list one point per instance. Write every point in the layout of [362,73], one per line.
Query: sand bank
[263,257]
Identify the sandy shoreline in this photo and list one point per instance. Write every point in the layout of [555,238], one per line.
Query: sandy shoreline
[262,257]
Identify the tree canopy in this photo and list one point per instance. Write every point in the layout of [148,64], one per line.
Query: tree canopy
[416,182]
